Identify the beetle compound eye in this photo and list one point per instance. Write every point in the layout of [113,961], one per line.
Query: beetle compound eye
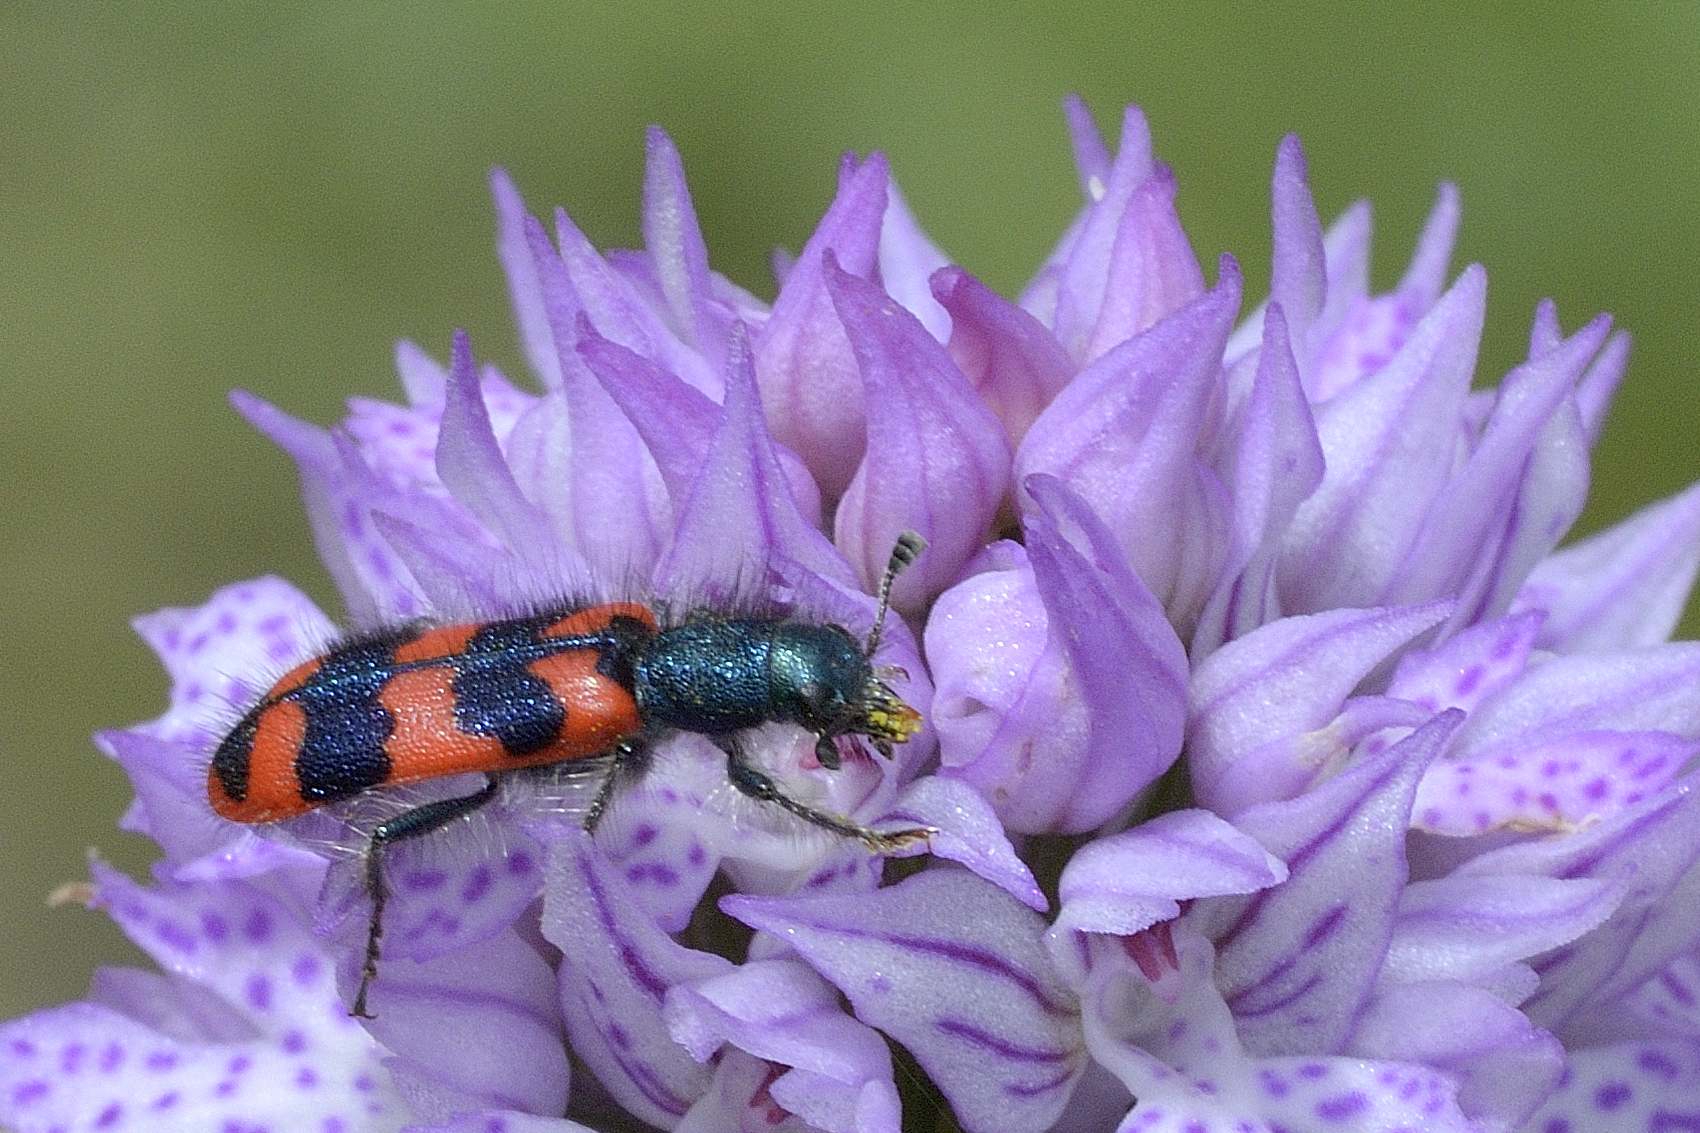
[826,751]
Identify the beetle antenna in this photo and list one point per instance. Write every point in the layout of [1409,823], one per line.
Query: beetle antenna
[905,551]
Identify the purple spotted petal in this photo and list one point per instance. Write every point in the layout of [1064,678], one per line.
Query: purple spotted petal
[953,969]
[1296,963]
[1123,434]
[810,384]
[929,439]
[224,653]
[1626,586]
[655,840]
[1175,1049]
[481,1021]
[616,968]
[1504,1065]
[740,513]
[1465,670]
[907,260]
[1636,1087]
[968,833]
[1275,465]
[171,808]
[837,1070]
[1652,851]
[1388,444]
[257,1039]
[1286,679]
[1015,364]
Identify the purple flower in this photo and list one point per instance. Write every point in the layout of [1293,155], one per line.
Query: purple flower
[1287,774]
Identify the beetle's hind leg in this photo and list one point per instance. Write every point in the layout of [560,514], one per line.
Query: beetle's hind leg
[627,760]
[413,823]
[758,784]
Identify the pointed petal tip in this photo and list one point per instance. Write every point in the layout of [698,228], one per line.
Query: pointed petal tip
[1290,158]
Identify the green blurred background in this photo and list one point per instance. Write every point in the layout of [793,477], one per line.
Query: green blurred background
[195,197]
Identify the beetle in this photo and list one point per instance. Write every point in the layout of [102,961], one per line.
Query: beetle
[562,686]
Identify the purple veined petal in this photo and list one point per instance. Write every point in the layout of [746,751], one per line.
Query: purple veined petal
[1626,586]
[809,380]
[1127,882]
[907,260]
[1651,850]
[481,1021]
[1631,690]
[171,796]
[472,466]
[1298,271]
[740,512]
[224,653]
[373,584]
[781,1012]
[584,462]
[1549,499]
[1558,784]
[677,421]
[1015,364]
[1124,434]
[1152,271]
[968,833]
[1085,272]
[1297,963]
[930,438]
[1388,443]
[1452,538]
[1468,929]
[1176,1051]
[502,1121]
[1504,1065]
[1276,463]
[1669,1001]
[952,968]
[1651,1086]
[675,244]
[1594,393]
[616,968]
[1131,666]
[1288,678]
[524,287]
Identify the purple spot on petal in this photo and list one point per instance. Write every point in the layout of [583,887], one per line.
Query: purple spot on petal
[306,1078]
[258,926]
[258,992]
[425,880]
[1597,789]
[1556,1125]
[175,936]
[1611,1096]
[477,884]
[520,863]
[30,1092]
[294,1042]
[167,1100]
[161,1060]
[618,1036]
[1468,682]
[71,1058]
[1655,1063]
[333,1125]
[696,855]
[109,1116]
[1313,1071]
[111,1057]
[225,1088]
[1341,1106]
[644,835]
[213,927]
[305,970]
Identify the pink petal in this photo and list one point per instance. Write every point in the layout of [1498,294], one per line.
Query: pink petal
[968,833]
